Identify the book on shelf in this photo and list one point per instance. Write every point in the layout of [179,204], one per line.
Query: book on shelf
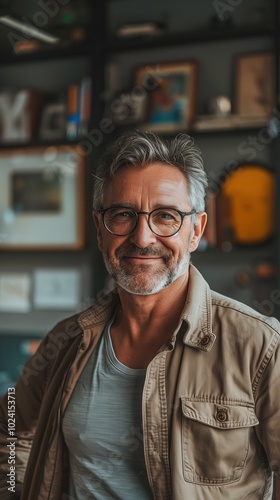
[78,108]
[84,105]
[72,112]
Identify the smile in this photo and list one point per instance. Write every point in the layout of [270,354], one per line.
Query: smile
[142,258]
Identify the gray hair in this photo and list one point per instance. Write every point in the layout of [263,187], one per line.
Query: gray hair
[144,148]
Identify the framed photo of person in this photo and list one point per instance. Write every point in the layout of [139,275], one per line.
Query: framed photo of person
[171,95]
[254,84]
[42,193]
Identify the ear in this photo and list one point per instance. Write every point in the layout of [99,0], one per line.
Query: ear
[198,230]
[97,221]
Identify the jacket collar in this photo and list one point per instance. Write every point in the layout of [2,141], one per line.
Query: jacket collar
[196,315]
[100,312]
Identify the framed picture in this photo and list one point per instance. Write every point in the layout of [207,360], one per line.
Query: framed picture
[254,84]
[42,193]
[171,95]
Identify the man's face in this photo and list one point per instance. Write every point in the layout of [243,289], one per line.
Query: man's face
[143,263]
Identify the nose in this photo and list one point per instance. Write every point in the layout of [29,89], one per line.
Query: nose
[142,236]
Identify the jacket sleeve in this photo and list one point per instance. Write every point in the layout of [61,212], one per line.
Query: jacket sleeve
[27,398]
[267,401]
[30,392]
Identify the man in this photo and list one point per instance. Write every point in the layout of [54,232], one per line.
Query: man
[162,389]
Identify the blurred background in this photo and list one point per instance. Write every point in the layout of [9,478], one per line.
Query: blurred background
[73,75]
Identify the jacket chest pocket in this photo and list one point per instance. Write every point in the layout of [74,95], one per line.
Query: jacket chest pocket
[215,440]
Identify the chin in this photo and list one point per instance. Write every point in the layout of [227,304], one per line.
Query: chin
[141,282]
[137,290]
[154,285]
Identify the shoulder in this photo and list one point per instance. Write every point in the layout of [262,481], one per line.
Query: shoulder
[242,316]
[98,313]
[68,326]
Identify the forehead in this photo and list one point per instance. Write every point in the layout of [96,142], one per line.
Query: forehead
[157,182]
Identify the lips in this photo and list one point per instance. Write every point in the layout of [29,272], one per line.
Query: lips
[140,257]
[139,260]
[132,252]
[149,256]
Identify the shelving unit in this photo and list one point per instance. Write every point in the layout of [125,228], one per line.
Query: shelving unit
[51,70]
[190,33]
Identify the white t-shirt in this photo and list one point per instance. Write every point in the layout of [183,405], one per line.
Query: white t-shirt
[102,427]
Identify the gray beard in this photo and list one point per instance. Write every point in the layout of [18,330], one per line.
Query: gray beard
[158,280]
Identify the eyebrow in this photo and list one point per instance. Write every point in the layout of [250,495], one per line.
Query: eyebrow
[132,207]
[126,205]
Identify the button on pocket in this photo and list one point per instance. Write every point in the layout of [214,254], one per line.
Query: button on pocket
[222,415]
[215,440]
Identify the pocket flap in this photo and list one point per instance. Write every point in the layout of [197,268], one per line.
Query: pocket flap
[227,416]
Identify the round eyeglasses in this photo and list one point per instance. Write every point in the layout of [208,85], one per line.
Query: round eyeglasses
[122,221]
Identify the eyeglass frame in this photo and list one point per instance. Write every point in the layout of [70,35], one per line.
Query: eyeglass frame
[102,212]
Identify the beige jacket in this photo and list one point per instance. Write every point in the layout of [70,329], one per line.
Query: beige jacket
[211,403]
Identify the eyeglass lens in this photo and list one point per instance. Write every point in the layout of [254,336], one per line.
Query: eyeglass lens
[122,221]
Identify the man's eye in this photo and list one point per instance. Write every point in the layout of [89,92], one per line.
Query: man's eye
[123,215]
[168,216]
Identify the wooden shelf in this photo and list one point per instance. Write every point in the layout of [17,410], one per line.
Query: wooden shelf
[59,53]
[115,44]
[227,123]
[39,143]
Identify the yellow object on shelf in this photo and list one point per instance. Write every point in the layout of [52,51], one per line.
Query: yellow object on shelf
[248,196]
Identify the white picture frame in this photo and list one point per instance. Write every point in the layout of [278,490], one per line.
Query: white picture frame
[42,198]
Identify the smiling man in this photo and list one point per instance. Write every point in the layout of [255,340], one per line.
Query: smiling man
[147,238]
[163,389]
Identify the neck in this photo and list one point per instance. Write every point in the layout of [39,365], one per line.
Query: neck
[139,315]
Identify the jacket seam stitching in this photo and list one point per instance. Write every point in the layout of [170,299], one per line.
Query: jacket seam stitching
[257,318]
[162,395]
[264,364]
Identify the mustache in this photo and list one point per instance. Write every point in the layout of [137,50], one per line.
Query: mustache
[134,251]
